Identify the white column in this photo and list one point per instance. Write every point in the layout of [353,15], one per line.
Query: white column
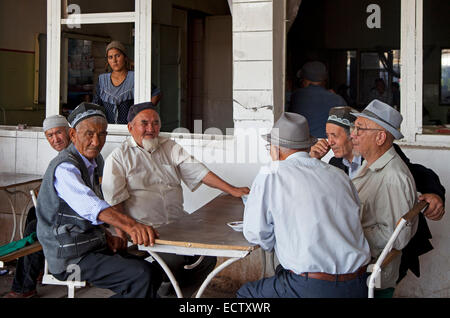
[142,51]
[53,57]
[411,69]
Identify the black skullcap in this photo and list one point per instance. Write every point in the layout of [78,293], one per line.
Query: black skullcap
[137,108]
[341,116]
[85,111]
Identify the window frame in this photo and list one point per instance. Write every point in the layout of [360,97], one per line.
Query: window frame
[142,19]
[411,94]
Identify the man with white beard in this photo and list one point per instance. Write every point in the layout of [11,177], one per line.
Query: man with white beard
[142,178]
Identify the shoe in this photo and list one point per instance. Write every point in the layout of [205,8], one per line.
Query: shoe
[13,294]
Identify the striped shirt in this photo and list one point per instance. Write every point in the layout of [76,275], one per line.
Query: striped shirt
[71,188]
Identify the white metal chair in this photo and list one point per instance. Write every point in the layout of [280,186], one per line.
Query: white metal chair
[49,279]
[388,253]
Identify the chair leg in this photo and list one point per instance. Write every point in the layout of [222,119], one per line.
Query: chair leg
[71,291]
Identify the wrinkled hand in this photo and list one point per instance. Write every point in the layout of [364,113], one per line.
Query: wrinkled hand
[115,243]
[320,149]
[435,210]
[239,192]
[142,234]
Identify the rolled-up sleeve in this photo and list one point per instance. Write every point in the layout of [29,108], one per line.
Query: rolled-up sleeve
[71,188]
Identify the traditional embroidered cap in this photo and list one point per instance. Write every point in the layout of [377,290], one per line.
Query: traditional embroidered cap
[291,131]
[313,71]
[116,45]
[54,121]
[342,116]
[85,111]
[137,108]
[384,115]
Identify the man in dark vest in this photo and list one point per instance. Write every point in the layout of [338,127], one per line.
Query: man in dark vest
[427,182]
[72,217]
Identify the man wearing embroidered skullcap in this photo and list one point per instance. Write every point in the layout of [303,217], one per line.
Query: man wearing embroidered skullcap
[313,100]
[72,216]
[142,178]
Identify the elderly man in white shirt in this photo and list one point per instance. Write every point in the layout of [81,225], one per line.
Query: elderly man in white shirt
[142,178]
[308,211]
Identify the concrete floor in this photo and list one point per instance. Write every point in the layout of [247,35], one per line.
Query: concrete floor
[220,287]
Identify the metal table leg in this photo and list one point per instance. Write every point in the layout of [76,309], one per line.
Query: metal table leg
[214,273]
[168,272]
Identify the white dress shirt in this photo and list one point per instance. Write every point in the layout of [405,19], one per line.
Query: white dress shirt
[309,212]
[149,184]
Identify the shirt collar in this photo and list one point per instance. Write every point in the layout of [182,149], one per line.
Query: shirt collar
[88,163]
[356,160]
[298,154]
[381,162]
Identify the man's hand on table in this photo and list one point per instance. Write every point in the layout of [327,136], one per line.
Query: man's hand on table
[142,234]
[435,210]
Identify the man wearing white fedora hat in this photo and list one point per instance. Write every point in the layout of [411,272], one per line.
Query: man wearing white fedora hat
[304,209]
[385,185]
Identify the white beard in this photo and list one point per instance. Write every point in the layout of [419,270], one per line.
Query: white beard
[150,144]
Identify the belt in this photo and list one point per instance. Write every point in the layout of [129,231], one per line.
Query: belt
[335,277]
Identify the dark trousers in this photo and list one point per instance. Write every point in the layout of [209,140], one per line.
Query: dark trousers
[30,266]
[127,275]
[285,284]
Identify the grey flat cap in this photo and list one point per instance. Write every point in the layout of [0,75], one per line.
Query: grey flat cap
[291,131]
[384,115]
[54,121]
[313,71]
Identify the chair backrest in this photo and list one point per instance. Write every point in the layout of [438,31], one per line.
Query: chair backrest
[388,254]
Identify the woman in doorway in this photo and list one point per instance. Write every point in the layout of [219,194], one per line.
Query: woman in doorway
[115,89]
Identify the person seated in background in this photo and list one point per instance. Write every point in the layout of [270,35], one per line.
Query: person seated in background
[142,179]
[29,267]
[427,182]
[72,216]
[304,208]
[313,100]
[379,92]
